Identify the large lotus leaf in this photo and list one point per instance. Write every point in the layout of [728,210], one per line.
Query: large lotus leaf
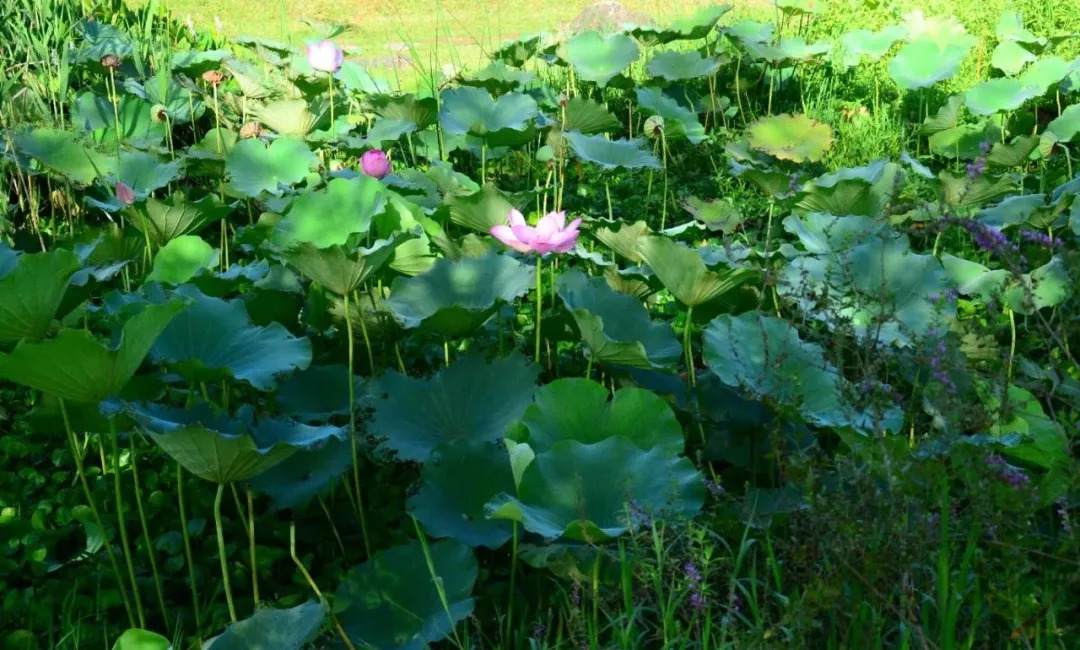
[9,259]
[690,28]
[587,492]
[273,629]
[944,119]
[468,400]
[144,172]
[1046,286]
[791,137]
[1067,125]
[974,279]
[625,241]
[328,217]
[1012,211]
[292,117]
[823,234]
[454,488]
[480,210]
[316,394]
[393,602]
[453,298]
[616,327]
[717,215]
[611,154]
[998,95]
[684,274]
[788,50]
[679,121]
[175,216]
[304,475]
[99,38]
[583,410]
[254,168]
[589,117]
[1010,27]
[959,190]
[518,51]
[179,260]
[213,445]
[355,77]
[340,270]
[1010,57]
[851,190]
[599,58]
[675,66]
[163,90]
[499,77]
[862,42]
[75,366]
[766,357]
[215,146]
[748,31]
[1044,73]
[1014,153]
[924,62]
[214,339]
[137,126]
[141,640]
[965,141]
[62,152]
[473,111]
[31,291]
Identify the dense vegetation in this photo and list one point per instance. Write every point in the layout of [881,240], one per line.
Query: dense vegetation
[718,334]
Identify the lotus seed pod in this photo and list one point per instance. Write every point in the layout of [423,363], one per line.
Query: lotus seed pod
[110,61]
[250,130]
[159,113]
[654,126]
[213,77]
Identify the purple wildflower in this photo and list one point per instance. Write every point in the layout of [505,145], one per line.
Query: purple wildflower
[714,488]
[1063,512]
[1041,239]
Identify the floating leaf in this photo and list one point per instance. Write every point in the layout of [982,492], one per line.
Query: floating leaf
[254,168]
[611,154]
[599,58]
[791,137]
[615,327]
[468,400]
[330,216]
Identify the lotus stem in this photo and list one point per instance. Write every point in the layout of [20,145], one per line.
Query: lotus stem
[352,428]
[121,522]
[251,547]
[364,332]
[607,192]
[446,352]
[221,552]
[513,580]
[146,534]
[1012,346]
[333,126]
[539,304]
[663,207]
[115,101]
[688,349]
[588,367]
[94,510]
[187,551]
[315,587]
[483,163]
[437,581]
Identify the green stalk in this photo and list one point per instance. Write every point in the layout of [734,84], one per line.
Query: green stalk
[114,100]
[94,510]
[251,547]
[146,535]
[121,522]
[539,304]
[352,430]
[663,208]
[364,333]
[187,551]
[221,552]
[513,580]
[688,349]
[607,192]
[333,127]
[1012,345]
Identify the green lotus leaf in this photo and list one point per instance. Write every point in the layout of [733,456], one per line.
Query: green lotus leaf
[798,7]
[718,215]
[766,357]
[31,290]
[195,62]
[9,259]
[1046,286]
[589,117]
[974,279]
[339,269]
[356,78]
[599,58]
[141,640]
[922,63]
[788,50]
[316,394]
[588,492]
[499,77]
[216,446]
[215,145]
[454,488]
[480,210]
[62,152]
[163,90]
[1015,153]
[1010,57]
[1012,211]
[685,275]
[791,137]
[865,190]
[998,95]
[179,260]
[384,131]
[214,339]
[947,117]
[421,111]
[75,366]
[98,39]
[678,120]
[611,154]
[822,234]
[500,122]
[136,125]
[675,66]
[468,400]
[295,481]
[518,51]
[453,298]
[1067,125]
[964,142]
[144,172]
[1010,27]
[292,117]
[615,327]
[748,31]
[691,28]
[176,216]
[1045,73]
[861,43]
[330,216]
[407,597]
[584,410]
[626,241]
[254,168]
[280,629]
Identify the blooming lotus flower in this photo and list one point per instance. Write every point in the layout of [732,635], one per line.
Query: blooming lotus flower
[375,163]
[550,234]
[125,194]
[324,56]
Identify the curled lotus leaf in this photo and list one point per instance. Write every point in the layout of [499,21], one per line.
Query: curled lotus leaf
[998,95]
[791,137]
[922,63]
[676,66]
[598,57]
[860,43]
[611,154]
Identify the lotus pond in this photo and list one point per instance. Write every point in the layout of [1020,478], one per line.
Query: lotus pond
[723,333]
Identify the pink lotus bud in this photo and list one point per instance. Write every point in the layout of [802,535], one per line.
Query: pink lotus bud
[375,163]
[125,194]
[324,56]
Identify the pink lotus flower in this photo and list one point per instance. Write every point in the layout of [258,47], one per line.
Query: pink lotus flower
[125,194]
[551,233]
[375,163]
[325,56]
